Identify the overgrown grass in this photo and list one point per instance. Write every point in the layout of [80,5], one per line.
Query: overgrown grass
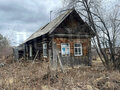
[36,76]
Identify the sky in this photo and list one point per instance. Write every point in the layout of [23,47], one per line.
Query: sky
[20,18]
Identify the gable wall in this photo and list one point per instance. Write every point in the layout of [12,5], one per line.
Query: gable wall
[73,24]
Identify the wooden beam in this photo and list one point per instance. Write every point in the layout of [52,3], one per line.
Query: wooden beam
[59,59]
[71,35]
[36,55]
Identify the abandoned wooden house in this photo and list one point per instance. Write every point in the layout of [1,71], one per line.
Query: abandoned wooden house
[66,40]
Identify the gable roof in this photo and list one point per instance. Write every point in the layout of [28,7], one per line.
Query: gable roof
[50,26]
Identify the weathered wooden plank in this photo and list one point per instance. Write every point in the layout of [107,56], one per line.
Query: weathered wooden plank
[59,60]
[36,55]
[54,55]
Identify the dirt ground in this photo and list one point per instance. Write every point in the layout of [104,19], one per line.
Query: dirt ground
[26,75]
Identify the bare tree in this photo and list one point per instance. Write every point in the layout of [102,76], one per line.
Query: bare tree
[3,42]
[105,26]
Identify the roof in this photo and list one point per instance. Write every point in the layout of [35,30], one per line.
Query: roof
[50,26]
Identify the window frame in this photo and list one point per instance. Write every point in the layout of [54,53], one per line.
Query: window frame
[61,50]
[44,50]
[77,48]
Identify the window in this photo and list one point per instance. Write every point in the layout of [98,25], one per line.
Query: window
[45,50]
[78,49]
[65,49]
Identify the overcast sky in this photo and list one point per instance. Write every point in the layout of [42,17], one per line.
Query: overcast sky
[20,18]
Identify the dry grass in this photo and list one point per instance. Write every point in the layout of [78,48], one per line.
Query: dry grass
[21,75]
[36,76]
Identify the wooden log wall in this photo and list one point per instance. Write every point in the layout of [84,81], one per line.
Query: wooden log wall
[85,44]
[74,60]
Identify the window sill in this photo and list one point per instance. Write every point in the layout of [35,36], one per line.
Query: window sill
[78,55]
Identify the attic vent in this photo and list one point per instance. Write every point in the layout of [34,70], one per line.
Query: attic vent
[44,26]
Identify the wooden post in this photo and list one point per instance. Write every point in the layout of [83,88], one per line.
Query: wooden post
[16,54]
[36,55]
[24,45]
[30,51]
[59,59]
[54,64]
[50,59]
[89,54]
[27,51]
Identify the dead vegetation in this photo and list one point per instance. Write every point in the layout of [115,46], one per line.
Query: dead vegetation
[26,75]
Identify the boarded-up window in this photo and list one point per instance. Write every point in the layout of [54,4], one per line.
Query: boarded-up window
[65,49]
[45,50]
[78,49]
